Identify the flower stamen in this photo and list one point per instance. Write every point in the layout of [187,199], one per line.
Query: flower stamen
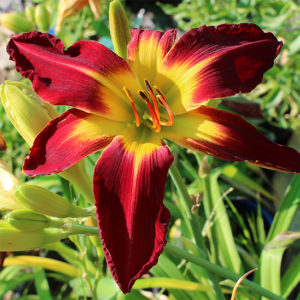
[156,109]
[162,101]
[131,99]
[155,120]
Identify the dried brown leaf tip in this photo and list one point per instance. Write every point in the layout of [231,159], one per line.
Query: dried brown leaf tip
[2,143]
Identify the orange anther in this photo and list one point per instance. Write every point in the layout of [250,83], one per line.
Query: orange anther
[155,120]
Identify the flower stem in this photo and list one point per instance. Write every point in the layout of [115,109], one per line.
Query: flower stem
[193,223]
[191,220]
[75,229]
[219,271]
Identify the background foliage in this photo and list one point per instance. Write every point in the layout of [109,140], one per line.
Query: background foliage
[233,215]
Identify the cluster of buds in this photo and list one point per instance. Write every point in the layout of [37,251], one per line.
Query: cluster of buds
[30,114]
[42,214]
[40,16]
[34,17]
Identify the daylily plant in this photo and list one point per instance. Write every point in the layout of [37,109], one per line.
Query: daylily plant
[130,107]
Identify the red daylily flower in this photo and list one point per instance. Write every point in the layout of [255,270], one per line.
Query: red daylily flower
[129,107]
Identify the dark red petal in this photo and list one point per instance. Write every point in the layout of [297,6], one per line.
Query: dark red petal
[216,62]
[228,136]
[83,76]
[68,139]
[129,182]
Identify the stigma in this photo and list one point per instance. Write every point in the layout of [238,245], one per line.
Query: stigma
[152,100]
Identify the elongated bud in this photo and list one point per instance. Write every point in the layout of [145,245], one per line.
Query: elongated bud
[8,183]
[30,114]
[119,28]
[27,112]
[27,220]
[45,202]
[42,17]
[29,12]
[16,22]
[13,239]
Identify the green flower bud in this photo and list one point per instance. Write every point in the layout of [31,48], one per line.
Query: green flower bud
[45,202]
[27,112]
[13,239]
[30,114]
[42,17]
[16,22]
[8,183]
[29,12]
[27,220]
[119,28]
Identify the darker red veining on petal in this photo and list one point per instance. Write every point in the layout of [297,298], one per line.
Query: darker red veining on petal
[57,74]
[132,219]
[165,40]
[243,53]
[242,141]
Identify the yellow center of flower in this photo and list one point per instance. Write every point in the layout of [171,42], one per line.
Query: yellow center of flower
[152,99]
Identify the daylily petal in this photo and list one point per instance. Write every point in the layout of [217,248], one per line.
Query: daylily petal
[214,62]
[68,139]
[129,182]
[147,49]
[228,136]
[87,76]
